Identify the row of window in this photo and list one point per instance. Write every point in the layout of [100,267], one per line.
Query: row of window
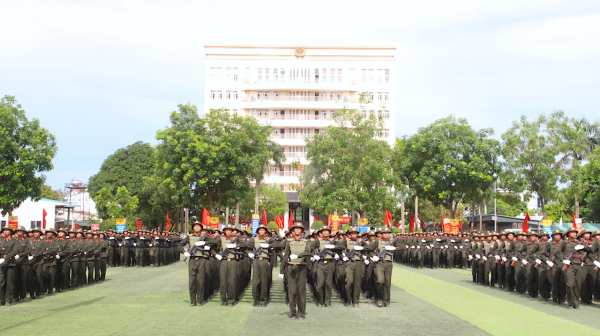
[229,95]
[319,75]
[375,75]
[302,133]
[221,74]
[313,96]
[306,114]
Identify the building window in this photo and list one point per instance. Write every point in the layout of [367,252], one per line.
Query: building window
[386,114]
[220,95]
[331,95]
[380,75]
[228,95]
[259,114]
[323,96]
[253,113]
[317,76]
[266,114]
[275,133]
[339,96]
[370,96]
[333,75]
[235,95]
[387,75]
[267,95]
[275,114]
[275,95]
[371,75]
[386,96]
[380,96]
[213,73]
[259,95]
[323,114]
[36,224]
[386,133]
[364,75]
[266,74]
[276,75]
[213,95]
[282,72]
[260,76]
[340,75]
[235,74]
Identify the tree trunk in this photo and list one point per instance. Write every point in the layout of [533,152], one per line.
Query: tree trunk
[402,226]
[480,220]
[227,215]
[485,210]
[576,207]
[237,214]
[416,213]
[472,215]
[187,222]
[257,193]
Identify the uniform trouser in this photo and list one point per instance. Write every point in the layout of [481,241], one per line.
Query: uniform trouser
[124,256]
[520,278]
[22,271]
[110,254]
[228,276]
[296,275]
[354,274]
[545,285]
[559,286]
[371,286]
[572,282]
[383,279]
[198,274]
[139,253]
[81,271]
[7,281]
[91,263]
[65,277]
[489,269]
[509,279]
[596,284]
[532,279]
[97,268]
[261,279]
[103,262]
[474,270]
[36,278]
[586,283]
[74,262]
[465,259]
[436,257]
[324,283]
[450,257]
[49,275]
[500,274]
[421,257]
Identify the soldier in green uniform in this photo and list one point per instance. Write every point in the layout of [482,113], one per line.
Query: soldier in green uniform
[384,249]
[103,255]
[8,251]
[227,245]
[22,253]
[499,251]
[73,259]
[353,258]
[261,268]
[82,244]
[520,250]
[198,253]
[62,262]
[473,257]
[529,263]
[488,261]
[90,247]
[324,258]
[586,278]
[596,259]
[570,251]
[545,286]
[35,277]
[97,252]
[295,256]
[50,255]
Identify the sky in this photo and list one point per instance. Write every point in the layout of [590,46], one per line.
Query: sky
[101,75]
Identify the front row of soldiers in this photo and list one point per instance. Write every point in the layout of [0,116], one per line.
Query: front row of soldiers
[564,267]
[40,262]
[227,261]
[142,248]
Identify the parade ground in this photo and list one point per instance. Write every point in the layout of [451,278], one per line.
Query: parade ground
[151,301]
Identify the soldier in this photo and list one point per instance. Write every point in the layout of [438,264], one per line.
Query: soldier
[488,261]
[125,248]
[22,252]
[383,248]
[73,259]
[97,252]
[354,265]
[473,256]
[545,286]
[199,253]
[82,255]
[62,263]
[586,278]
[35,277]
[596,258]
[103,245]
[509,268]
[555,266]
[520,250]
[229,257]
[570,251]
[529,263]
[50,255]
[297,250]
[91,246]
[261,268]
[324,266]
[8,252]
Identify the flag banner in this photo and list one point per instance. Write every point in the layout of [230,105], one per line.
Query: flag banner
[44,214]
[205,217]
[525,223]
[265,223]
[455,225]
[363,225]
[577,223]
[255,223]
[168,220]
[13,221]
[447,225]
[95,227]
[139,224]
[547,226]
[213,222]
[335,223]
[412,223]
[279,221]
[291,221]
[388,218]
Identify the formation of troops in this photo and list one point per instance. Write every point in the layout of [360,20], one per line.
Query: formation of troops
[40,262]
[227,261]
[562,266]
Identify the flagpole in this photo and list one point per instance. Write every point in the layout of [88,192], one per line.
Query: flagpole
[495,209]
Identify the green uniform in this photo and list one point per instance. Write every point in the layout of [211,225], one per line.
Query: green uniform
[566,251]
[49,258]
[62,265]
[23,250]
[75,249]
[36,267]
[295,271]
[7,269]
[261,271]
[198,266]
[383,267]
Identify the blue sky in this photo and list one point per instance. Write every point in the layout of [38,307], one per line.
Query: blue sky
[101,75]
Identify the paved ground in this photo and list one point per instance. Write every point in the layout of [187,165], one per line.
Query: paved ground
[148,301]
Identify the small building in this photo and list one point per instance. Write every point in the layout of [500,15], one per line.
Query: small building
[504,223]
[31,214]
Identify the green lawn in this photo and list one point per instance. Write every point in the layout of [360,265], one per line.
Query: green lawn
[149,301]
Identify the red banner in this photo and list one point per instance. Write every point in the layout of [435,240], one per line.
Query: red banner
[388,218]
[139,224]
[205,217]
[279,221]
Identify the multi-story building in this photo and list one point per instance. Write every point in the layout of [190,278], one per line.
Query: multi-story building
[297,90]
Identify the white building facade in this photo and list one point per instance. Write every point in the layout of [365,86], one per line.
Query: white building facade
[297,89]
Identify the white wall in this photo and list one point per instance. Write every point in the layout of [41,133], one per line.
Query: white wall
[33,211]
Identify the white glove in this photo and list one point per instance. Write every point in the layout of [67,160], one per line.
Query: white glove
[456,247]
[424,241]
[111,238]
[538,261]
[446,246]
[280,276]
[358,247]
[30,258]
[514,258]
[200,243]
[418,247]
[478,256]
[504,259]
[567,262]
[466,240]
[264,245]
[17,257]
[120,245]
[431,245]
[406,246]
[206,248]
[497,257]
[452,241]
[390,248]
[219,257]
[329,246]
[84,252]
[438,239]
[550,263]
[57,256]
[470,257]
[187,254]
[293,256]
[428,247]
[461,247]
[251,255]
[127,238]
[230,246]
[579,247]
[134,244]
[336,256]
[524,262]
[1,261]
[317,258]
[412,247]
[484,258]
[345,259]
[366,262]
[375,258]
[597,263]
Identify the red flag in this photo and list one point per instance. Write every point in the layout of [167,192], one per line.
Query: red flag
[412,223]
[388,218]
[168,221]
[279,222]
[574,225]
[205,217]
[46,214]
[398,225]
[291,221]
[329,220]
[525,226]
[265,217]
[174,225]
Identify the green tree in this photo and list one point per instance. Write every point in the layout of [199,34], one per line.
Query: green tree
[273,226]
[448,162]
[556,211]
[530,150]
[128,167]
[27,150]
[316,225]
[350,170]
[119,204]
[49,193]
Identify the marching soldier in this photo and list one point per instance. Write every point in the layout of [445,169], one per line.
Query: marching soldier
[198,253]
[229,257]
[520,250]
[8,252]
[91,246]
[354,265]
[570,251]
[261,268]
[73,259]
[324,267]
[62,262]
[293,267]
[50,255]
[23,251]
[545,285]
[36,264]
[103,256]
[529,263]
[384,249]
